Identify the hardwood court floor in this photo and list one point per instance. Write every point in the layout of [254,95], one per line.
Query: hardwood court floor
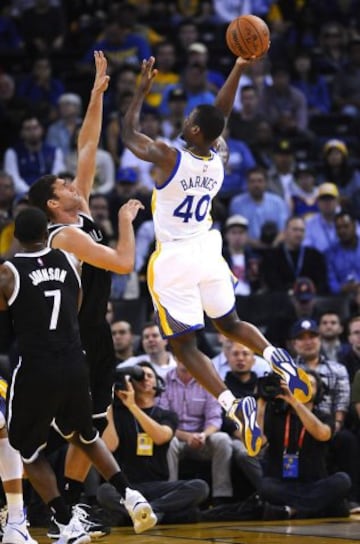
[333,531]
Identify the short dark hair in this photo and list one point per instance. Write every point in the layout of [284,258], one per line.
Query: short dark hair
[41,191]
[210,120]
[31,225]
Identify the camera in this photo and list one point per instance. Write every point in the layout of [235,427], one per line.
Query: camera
[135,372]
[269,386]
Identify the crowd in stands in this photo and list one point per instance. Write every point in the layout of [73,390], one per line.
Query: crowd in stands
[289,209]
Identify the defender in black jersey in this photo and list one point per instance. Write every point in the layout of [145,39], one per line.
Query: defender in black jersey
[50,385]
[71,228]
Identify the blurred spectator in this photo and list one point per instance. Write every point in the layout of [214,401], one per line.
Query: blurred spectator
[351,357]
[61,132]
[282,97]
[346,94]
[241,258]
[7,195]
[120,45]
[304,193]
[263,145]
[256,74]
[42,89]
[331,55]
[155,350]
[194,83]
[165,56]
[187,32]
[123,340]
[221,363]
[43,27]
[343,257]
[105,170]
[238,163]
[320,232]
[338,168]
[258,205]
[295,465]
[122,82]
[9,245]
[198,434]
[314,86]
[242,124]
[288,261]
[99,209]
[31,157]
[227,10]
[331,329]
[173,122]
[198,53]
[11,42]
[12,111]
[281,172]
[113,139]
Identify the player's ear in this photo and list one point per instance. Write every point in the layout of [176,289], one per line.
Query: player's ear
[52,203]
[195,129]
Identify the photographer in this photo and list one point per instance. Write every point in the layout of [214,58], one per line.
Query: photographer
[138,434]
[295,460]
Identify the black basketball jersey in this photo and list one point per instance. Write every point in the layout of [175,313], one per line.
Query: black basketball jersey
[44,303]
[96,282]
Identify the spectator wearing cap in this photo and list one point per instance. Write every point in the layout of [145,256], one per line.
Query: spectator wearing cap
[336,400]
[258,205]
[281,96]
[343,257]
[61,132]
[283,264]
[303,193]
[320,232]
[339,169]
[243,261]
[281,172]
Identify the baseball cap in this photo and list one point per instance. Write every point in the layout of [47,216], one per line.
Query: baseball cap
[304,167]
[177,94]
[304,289]
[304,325]
[328,189]
[126,175]
[197,47]
[237,221]
[336,144]
[283,146]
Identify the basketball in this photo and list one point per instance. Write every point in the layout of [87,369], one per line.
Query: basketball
[248,36]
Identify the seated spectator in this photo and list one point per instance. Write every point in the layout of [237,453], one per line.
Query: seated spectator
[172,123]
[31,158]
[222,366]
[42,89]
[198,53]
[331,55]
[282,96]
[295,464]
[12,111]
[281,171]
[7,196]
[62,131]
[263,146]
[243,261]
[351,357]
[256,74]
[139,433]
[320,232]
[346,84]
[283,264]
[304,193]
[337,168]
[198,433]
[165,55]
[99,209]
[311,83]
[242,381]
[154,350]
[43,27]
[123,340]
[343,257]
[242,124]
[258,205]
[330,330]
[113,139]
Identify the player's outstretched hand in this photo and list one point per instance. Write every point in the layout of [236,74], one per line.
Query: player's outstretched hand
[101,78]
[148,73]
[130,209]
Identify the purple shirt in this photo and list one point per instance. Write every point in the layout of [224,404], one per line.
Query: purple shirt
[194,406]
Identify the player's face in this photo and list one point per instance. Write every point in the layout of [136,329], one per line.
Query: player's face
[188,125]
[66,194]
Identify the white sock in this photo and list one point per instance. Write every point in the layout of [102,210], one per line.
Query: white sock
[15,504]
[226,399]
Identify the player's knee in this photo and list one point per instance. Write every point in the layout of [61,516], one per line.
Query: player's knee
[228,323]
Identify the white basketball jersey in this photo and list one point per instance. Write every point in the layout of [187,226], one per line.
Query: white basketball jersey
[182,205]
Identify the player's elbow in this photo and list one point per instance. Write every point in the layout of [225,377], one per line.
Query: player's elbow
[126,264]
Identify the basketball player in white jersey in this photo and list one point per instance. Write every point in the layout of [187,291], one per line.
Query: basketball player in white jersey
[187,274]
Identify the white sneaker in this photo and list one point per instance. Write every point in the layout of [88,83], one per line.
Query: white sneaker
[139,510]
[17,533]
[73,533]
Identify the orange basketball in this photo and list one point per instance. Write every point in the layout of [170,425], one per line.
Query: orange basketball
[248,36]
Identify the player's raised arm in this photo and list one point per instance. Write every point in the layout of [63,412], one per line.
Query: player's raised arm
[89,134]
[141,145]
[225,98]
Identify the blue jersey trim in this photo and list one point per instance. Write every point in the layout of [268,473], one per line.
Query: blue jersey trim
[186,331]
[174,170]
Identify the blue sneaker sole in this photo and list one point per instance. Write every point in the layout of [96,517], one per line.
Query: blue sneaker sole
[252,432]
